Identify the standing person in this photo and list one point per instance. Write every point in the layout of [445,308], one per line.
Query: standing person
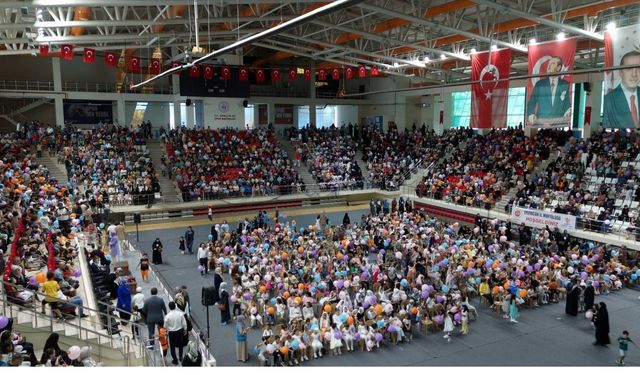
[181,245]
[464,329]
[154,311]
[601,321]
[188,237]
[573,299]
[223,304]
[144,267]
[514,314]
[623,346]
[176,324]
[124,301]
[122,235]
[345,220]
[241,340]
[372,207]
[210,213]
[156,257]
[217,281]
[589,296]
[202,259]
[448,326]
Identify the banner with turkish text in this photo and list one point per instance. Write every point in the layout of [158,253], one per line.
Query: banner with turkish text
[549,95]
[489,96]
[622,91]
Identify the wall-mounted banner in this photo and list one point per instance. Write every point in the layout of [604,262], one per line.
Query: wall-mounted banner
[549,98]
[87,112]
[540,219]
[284,114]
[489,96]
[622,94]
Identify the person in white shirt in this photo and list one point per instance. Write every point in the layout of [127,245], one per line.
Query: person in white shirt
[202,259]
[176,324]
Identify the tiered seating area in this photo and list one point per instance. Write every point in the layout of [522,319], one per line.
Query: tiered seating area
[112,163]
[331,158]
[594,179]
[479,173]
[211,164]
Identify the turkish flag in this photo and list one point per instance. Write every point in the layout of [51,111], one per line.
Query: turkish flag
[335,73]
[374,71]
[244,74]
[226,73]
[66,52]
[293,74]
[194,71]
[110,59]
[155,66]
[176,64]
[362,72]
[275,75]
[134,64]
[307,74]
[349,72]
[547,107]
[322,75]
[260,75]
[89,56]
[489,96]
[208,72]
[44,49]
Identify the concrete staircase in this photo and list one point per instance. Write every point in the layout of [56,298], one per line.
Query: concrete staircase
[363,166]
[169,189]
[303,170]
[55,169]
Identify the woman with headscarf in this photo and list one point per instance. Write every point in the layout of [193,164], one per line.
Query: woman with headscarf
[601,321]
[124,301]
[114,246]
[156,257]
[589,296]
[241,340]
[193,358]
[223,304]
[573,299]
[52,343]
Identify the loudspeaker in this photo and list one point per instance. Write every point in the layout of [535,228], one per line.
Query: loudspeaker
[587,86]
[136,218]
[188,102]
[245,103]
[208,295]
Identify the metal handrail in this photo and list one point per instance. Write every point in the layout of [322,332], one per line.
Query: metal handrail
[124,347]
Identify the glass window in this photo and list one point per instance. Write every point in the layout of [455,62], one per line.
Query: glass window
[515,109]
[460,109]
[303,116]
[325,116]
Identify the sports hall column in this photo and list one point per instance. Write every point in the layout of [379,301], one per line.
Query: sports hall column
[57,87]
[594,100]
[175,90]
[312,96]
[121,112]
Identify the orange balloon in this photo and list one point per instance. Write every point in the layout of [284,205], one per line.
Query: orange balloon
[523,293]
[340,255]
[286,295]
[506,285]
[271,310]
[263,289]
[589,268]
[479,261]
[298,300]
[350,320]
[41,278]
[284,350]
[470,265]
[327,308]
[414,310]
[378,309]
[300,250]
[496,289]
[284,255]
[301,286]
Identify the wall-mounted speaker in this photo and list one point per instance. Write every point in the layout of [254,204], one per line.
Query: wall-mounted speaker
[245,103]
[188,102]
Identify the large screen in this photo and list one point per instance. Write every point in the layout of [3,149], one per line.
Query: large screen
[216,87]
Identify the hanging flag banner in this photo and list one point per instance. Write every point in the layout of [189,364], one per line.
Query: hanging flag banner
[307,74]
[322,75]
[66,52]
[44,49]
[335,73]
[349,72]
[293,74]
[540,219]
[155,66]
[260,75]
[134,64]
[549,98]
[489,96]
[176,64]
[374,71]
[208,72]
[622,94]
[225,75]
[110,59]
[275,75]
[194,71]
[362,72]
[89,56]
[244,74]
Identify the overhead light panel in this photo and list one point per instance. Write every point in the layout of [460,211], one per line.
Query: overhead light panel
[561,36]
[611,26]
[443,57]
[494,47]
[533,41]
[473,50]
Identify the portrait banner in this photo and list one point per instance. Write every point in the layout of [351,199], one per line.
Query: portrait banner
[549,97]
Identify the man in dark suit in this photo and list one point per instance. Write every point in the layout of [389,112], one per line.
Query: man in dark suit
[155,310]
[621,105]
[550,96]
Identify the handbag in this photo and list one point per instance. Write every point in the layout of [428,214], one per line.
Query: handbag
[222,306]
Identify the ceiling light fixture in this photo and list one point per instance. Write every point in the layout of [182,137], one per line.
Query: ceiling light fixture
[561,36]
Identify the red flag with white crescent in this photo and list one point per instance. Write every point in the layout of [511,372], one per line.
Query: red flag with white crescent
[89,56]
[194,71]
[226,73]
[244,74]
[275,75]
[293,74]
[155,66]
[208,72]
[489,96]
[362,72]
[349,72]
[335,73]
[374,71]
[110,59]
[322,75]
[44,49]
[66,52]
[307,74]
[176,64]
[134,64]
[260,75]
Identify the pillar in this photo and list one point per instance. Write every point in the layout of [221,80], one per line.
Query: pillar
[57,87]
[594,100]
[190,116]
[121,116]
[177,118]
[271,112]
[312,95]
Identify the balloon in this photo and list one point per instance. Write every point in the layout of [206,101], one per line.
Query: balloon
[445,289]
[356,336]
[339,284]
[74,352]
[457,317]
[77,273]
[634,277]
[439,298]
[295,344]
[350,320]
[523,293]
[391,329]
[284,350]
[404,283]
[271,310]
[327,309]
[378,309]
[101,225]
[41,278]
[4,321]
[338,335]
[234,299]
[596,284]
[439,319]
[589,314]
[200,268]
[210,237]
[378,337]
[607,278]
[388,308]
[33,281]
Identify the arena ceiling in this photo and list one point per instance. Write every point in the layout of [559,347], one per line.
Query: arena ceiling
[428,40]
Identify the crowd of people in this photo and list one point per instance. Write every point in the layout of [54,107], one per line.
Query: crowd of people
[211,164]
[337,288]
[112,163]
[331,157]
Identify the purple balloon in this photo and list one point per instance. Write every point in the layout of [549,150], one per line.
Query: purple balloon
[338,335]
[439,299]
[356,336]
[585,261]
[596,284]
[391,329]
[378,337]
[457,317]
[77,273]
[537,266]
[596,257]
[382,251]
[345,258]
[529,269]
[365,305]
[373,300]
[584,275]
[247,296]
[439,319]
[425,294]
[4,321]
[200,268]
[33,281]
[339,284]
